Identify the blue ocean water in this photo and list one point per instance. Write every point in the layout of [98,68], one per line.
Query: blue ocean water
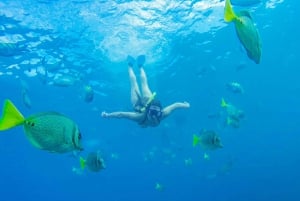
[191,55]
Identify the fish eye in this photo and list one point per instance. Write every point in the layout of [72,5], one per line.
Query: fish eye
[79,136]
[29,123]
[215,140]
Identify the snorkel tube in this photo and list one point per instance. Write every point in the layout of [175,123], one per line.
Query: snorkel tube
[149,101]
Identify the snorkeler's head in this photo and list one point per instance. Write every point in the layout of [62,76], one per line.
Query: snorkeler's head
[155,109]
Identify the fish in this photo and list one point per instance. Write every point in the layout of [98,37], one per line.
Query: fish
[25,98]
[235,87]
[246,31]
[63,80]
[77,171]
[114,155]
[233,122]
[49,131]
[10,49]
[88,94]
[94,162]
[188,162]
[208,140]
[206,156]
[159,187]
[232,112]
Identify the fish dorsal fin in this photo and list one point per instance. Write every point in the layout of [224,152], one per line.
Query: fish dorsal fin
[245,13]
[11,116]
[41,114]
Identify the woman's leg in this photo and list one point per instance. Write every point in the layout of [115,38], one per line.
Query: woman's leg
[134,88]
[144,84]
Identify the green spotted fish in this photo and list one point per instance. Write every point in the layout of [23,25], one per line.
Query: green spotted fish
[48,131]
[246,31]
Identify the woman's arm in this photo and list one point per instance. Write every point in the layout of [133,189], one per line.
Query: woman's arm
[134,116]
[169,109]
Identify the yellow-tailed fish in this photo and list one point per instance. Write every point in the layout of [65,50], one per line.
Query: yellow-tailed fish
[94,162]
[88,94]
[246,31]
[208,140]
[48,131]
[232,112]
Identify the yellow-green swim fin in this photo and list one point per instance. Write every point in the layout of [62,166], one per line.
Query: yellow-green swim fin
[229,14]
[11,116]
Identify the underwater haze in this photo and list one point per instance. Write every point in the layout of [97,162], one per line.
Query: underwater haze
[51,50]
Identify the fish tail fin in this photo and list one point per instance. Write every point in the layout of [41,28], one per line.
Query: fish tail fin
[11,116]
[82,162]
[229,14]
[196,140]
[223,103]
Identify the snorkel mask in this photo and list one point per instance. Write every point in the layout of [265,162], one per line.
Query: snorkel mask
[155,110]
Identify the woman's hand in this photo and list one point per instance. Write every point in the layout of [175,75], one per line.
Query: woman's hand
[186,104]
[104,114]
